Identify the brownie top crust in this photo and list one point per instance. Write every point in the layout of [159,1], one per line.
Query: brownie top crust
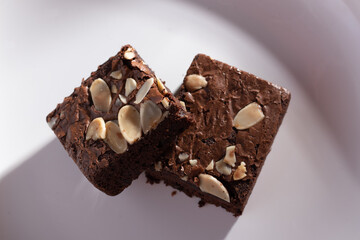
[237,116]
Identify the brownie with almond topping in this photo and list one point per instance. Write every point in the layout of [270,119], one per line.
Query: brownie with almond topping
[118,122]
[236,117]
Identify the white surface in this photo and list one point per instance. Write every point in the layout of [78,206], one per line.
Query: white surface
[310,185]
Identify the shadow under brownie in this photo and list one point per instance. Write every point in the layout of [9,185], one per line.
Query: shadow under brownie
[117,123]
[219,157]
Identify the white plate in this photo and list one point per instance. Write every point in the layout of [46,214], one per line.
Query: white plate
[310,185]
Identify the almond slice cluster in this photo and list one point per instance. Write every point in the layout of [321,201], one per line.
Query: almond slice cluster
[224,167]
[131,122]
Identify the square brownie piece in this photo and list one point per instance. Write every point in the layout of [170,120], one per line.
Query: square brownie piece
[118,121]
[219,157]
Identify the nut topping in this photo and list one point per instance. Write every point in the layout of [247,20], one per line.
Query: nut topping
[184,178]
[123,99]
[183,157]
[116,74]
[230,157]
[195,82]
[129,122]
[182,103]
[150,115]
[114,138]
[210,166]
[96,129]
[211,185]
[114,88]
[129,54]
[130,85]
[193,162]
[100,94]
[143,90]
[165,102]
[222,167]
[161,86]
[248,116]
[240,172]
[158,166]
[52,122]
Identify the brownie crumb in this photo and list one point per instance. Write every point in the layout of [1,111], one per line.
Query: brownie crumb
[173,193]
[201,203]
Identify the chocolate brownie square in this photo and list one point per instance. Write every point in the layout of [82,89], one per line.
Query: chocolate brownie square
[117,123]
[219,157]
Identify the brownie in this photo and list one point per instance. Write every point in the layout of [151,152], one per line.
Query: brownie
[118,121]
[219,157]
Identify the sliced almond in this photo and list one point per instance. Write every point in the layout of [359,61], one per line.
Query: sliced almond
[240,172]
[130,86]
[193,162]
[182,103]
[129,54]
[129,122]
[248,116]
[210,166]
[96,129]
[123,99]
[183,157]
[158,166]
[143,90]
[116,74]
[150,115]
[211,185]
[222,167]
[114,88]
[188,97]
[195,82]
[100,94]
[165,102]
[230,157]
[184,178]
[161,86]
[52,122]
[114,138]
